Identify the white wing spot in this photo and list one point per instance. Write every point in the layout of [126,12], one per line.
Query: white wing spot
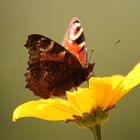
[67,48]
[75,36]
[50,46]
[70,41]
[43,38]
[82,44]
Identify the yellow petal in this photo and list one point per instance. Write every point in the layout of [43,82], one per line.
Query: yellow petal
[109,90]
[115,90]
[131,80]
[100,87]
[51,109]
[105,89]
[73,102]
[81,100]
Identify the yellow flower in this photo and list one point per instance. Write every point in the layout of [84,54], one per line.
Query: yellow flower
[102,95]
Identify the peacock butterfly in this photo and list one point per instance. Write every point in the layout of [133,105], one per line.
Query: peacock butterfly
[53,68]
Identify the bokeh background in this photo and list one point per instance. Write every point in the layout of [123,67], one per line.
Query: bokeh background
[104,22]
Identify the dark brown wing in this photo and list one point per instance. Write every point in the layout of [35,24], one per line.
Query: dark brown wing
[52,69]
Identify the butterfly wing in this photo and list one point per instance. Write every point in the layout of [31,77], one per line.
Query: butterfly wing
[52,69]
[74,41]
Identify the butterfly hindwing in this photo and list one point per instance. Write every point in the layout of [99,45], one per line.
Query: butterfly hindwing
[74,41]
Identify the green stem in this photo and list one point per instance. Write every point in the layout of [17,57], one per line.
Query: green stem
[96,132]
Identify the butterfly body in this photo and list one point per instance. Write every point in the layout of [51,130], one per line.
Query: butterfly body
[52,68]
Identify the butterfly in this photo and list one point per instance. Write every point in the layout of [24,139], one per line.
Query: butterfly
[53,68]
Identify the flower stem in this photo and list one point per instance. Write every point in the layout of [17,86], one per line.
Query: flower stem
[96,132]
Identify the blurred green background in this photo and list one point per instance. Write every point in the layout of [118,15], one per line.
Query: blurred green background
[104,22]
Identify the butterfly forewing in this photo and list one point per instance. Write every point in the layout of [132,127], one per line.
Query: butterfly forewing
[52,69]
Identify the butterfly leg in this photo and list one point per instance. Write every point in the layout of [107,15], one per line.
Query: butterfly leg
[76,88]
[88,79]
[91,75]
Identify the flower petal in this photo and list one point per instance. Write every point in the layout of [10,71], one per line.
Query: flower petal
[109,90]
[81,100]
[101,88]
[131,80]
[51,109]
[115,90]
[73,102]
[105,89]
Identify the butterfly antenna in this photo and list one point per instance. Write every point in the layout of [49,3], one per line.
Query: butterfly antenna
[116,42]
[91,52]
[107,49]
